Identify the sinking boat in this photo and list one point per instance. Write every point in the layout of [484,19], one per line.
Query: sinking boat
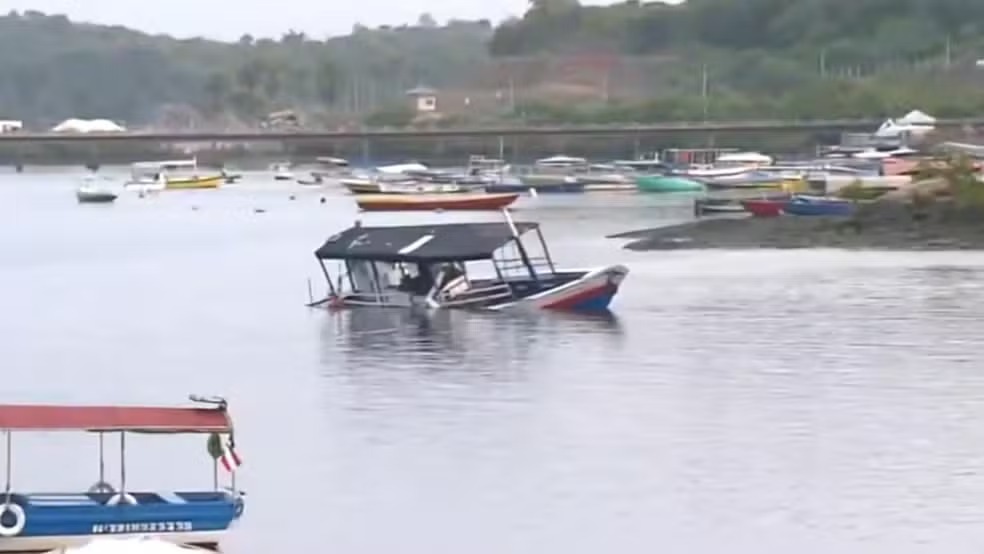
[440,266]
[412,202]
[35,521]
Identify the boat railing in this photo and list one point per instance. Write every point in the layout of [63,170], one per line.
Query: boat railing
[540,264]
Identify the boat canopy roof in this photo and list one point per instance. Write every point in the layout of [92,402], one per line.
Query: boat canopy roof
[166,164]
[138,419]
[420,243]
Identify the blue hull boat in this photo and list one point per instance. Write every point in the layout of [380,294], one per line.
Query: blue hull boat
[46,521]
[818,206]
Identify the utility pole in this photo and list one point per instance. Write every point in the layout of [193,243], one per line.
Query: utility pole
[703,89]
[823,62]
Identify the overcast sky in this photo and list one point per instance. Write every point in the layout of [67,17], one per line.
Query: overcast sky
[230,19]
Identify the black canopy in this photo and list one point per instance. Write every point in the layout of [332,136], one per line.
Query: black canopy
[420,243]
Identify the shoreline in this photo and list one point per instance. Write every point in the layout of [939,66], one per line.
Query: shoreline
[882,228]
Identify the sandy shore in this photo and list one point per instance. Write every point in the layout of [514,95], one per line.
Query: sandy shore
[882,227]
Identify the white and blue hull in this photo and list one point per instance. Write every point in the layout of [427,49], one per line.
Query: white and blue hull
[52,521]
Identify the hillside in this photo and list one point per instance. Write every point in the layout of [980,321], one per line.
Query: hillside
[54,68]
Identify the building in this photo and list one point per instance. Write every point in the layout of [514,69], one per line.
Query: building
[11,125]
[424,99]
[87,126]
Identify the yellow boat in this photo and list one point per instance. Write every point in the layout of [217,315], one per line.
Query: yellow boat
[173,175]
[194,182]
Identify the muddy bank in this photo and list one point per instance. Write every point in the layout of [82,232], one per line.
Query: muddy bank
[883,226]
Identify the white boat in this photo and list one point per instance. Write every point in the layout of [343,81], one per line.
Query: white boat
[282,172]
[171,174]
[95,190]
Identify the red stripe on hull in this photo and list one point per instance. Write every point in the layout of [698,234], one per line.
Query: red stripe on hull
[571,301]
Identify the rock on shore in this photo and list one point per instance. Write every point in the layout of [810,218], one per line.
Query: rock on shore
[890,225]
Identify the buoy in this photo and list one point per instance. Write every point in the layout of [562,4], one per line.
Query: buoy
[259,211]
[19,520]
[322,200]
[292,197]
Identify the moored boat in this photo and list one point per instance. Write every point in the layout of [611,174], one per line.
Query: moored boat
[763,207]
[427,266]
[411,202]
[281,171]
[33,521]
[817,206]
[665,183]
[172,174]
[95,190]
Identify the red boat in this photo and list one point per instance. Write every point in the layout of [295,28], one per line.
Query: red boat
[764,208]
[410,202]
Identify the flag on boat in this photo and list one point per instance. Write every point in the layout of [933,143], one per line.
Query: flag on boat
[230,459]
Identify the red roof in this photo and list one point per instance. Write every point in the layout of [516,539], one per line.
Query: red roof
[114,418]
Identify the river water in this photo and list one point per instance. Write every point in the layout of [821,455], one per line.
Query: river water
[737,402]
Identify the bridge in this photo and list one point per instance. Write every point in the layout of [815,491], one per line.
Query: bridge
[842,125]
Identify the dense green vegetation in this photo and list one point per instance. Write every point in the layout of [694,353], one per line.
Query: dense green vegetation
[768,58]
[713,59]
[53,69]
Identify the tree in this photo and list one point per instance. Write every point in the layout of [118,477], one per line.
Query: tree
[217,91]
[327,81]
[426,21]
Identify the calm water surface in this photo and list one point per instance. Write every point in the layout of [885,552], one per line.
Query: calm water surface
[739,402]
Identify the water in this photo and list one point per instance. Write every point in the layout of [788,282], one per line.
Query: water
[766,402]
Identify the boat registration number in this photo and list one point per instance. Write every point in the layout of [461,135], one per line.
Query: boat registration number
[142,527]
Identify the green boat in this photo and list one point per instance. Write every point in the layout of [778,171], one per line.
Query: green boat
[663,183]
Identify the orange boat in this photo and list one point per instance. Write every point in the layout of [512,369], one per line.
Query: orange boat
[410,202]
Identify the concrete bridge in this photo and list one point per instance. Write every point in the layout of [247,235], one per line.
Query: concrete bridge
[842,125]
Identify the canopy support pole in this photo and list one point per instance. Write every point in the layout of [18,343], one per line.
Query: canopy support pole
[102,458]
[8,469]
[519,246]
[122,462]
[215,474]
[324,270]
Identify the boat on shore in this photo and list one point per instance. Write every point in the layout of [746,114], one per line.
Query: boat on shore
[667,183]
[763,207]
[416,202]
[805,205]
[434,267]
[37,521]
[95,190]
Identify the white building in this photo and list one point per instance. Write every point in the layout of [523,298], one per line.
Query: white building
[424,99]
[87,126]
[10,125]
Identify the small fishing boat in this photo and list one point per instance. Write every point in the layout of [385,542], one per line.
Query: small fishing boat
[440,267]
[817,206]
[539,183]
[711,206]
[316,179]
[763,207]
[665,183]
[95,190]
[412,202]
[33,521]
[172,174]
[281,172]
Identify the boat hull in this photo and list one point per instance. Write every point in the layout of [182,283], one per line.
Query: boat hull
[818,207]
[410,202]
[95,197]
[764,208]
[659,183]
[181,183]
[55,520]
[592,292]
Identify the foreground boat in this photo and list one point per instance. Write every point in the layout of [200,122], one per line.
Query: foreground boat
[33,521]
[410,202]
[425,265]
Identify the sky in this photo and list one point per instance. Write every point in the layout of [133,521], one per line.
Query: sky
[230,19]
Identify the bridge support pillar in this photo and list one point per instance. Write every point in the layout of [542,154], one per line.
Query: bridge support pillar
[366,151]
